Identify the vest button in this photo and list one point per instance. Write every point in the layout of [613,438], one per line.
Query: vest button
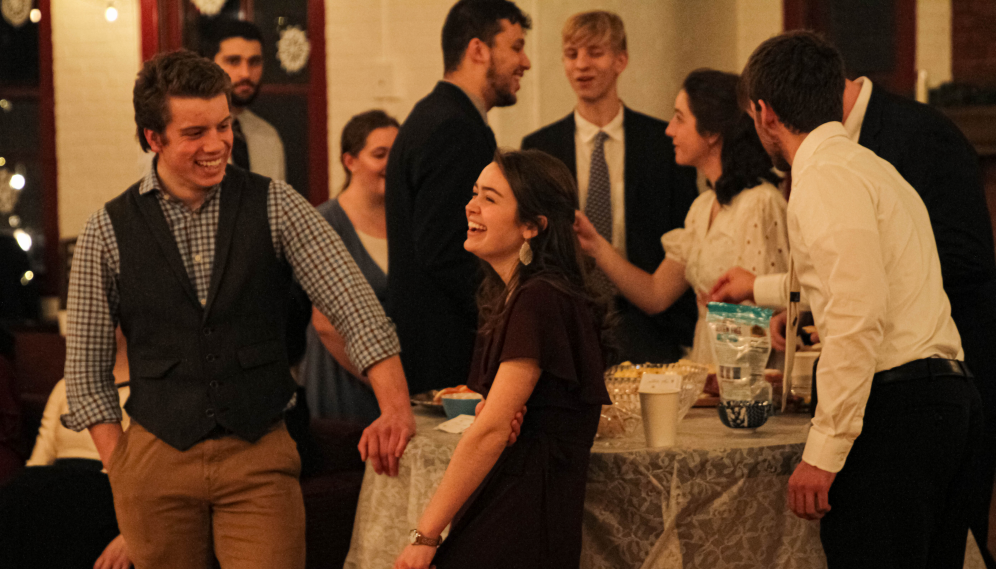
[208,331]
[214,385]
[209,412]
[211,357]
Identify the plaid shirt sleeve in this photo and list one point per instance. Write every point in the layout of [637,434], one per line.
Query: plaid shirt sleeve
[329,275]
[92,319]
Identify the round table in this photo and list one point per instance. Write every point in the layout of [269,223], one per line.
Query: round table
[715,500]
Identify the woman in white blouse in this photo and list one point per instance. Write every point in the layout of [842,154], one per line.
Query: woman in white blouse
[740,221]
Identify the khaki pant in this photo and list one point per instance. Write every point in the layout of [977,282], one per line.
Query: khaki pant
[238,501]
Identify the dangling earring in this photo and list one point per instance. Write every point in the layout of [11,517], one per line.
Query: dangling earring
[525,253]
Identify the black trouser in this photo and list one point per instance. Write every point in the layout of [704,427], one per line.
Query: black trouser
[900,500]
[973,309]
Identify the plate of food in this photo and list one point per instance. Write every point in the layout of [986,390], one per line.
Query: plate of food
[433,400]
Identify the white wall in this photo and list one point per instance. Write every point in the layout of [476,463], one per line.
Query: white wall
[399,40]
[933,40]
[94,67]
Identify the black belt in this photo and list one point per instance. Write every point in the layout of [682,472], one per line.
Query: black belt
[920,369]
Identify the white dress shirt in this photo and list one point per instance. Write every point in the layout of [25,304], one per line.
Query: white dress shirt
[615,154]
[856,117]
[266,150]
[867,263]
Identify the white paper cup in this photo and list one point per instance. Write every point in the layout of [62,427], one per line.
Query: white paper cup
[660,417]
[802,374]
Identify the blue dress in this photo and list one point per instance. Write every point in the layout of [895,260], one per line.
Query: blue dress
[333,392]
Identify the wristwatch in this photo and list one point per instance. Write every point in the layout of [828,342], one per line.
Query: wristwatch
[416,538]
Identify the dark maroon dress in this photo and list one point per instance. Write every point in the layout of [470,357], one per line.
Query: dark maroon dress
[527,512]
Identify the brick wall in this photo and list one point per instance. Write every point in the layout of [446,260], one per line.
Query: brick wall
[973,36]
[94,66]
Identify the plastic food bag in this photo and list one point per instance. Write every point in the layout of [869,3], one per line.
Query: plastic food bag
[741,344]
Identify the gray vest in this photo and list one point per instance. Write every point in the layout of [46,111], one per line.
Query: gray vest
[196,367]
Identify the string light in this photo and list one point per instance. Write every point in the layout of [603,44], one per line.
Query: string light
[111,13]
[23,239]
[17,182]
[35,15]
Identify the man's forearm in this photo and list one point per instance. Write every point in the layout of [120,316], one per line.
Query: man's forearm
[105,437]
[387,378]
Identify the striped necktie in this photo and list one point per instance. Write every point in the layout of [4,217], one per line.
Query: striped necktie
[598,206]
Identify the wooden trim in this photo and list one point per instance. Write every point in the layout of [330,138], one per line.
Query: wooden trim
[318,143]
[50,284]
[793,14]
[170,25]
[150,28]
[20,92]
[904,76]
[295,89]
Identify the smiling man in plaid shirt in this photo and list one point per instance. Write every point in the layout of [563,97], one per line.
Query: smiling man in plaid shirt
[194,262]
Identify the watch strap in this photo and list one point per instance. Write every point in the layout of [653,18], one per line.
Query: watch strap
[418,539]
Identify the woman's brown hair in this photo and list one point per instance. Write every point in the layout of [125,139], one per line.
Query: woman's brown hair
[544,189]
[355,133]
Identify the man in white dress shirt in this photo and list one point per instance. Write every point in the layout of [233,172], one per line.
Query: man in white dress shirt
[237,47]
[867,263]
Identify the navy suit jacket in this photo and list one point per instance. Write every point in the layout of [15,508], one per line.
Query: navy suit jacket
[440,151]
[932,154]
[658,194]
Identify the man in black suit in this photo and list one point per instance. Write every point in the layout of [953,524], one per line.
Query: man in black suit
[932,155]
[438,154]
[622,160]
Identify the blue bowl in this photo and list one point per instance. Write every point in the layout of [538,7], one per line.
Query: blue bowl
[454,407]
[744,414]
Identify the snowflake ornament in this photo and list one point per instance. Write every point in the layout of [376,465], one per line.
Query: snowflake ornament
[293,49]
[16,12]
[209,7]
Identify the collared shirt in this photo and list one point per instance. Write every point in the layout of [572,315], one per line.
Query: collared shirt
[615,156]
[867,263]
[478,102]
[266,150]
[300,236]
[856,117]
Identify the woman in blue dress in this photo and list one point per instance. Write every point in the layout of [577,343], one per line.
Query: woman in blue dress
[334,387]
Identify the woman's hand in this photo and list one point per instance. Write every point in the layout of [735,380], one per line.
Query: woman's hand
[516,422]
[588,236]
[416,557]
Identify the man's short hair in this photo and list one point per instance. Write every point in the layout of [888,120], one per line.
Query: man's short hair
[595,27]
[216,31]
[800,76]
[481,19]
[180,73]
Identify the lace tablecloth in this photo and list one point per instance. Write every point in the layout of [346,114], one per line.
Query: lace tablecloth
[716,500]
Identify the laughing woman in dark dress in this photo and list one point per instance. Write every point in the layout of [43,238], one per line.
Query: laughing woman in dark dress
[538,345]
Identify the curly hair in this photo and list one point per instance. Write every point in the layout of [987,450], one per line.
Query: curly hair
[180,73]
[712,98]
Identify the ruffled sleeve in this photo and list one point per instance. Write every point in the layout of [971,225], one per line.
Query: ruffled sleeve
[764,243]
[556,329]
[678,243]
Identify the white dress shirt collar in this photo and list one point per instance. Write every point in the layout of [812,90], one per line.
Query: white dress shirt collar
[587,130]
[813,141]
[857,115]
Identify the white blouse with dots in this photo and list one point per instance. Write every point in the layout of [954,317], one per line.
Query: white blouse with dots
[749,232]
